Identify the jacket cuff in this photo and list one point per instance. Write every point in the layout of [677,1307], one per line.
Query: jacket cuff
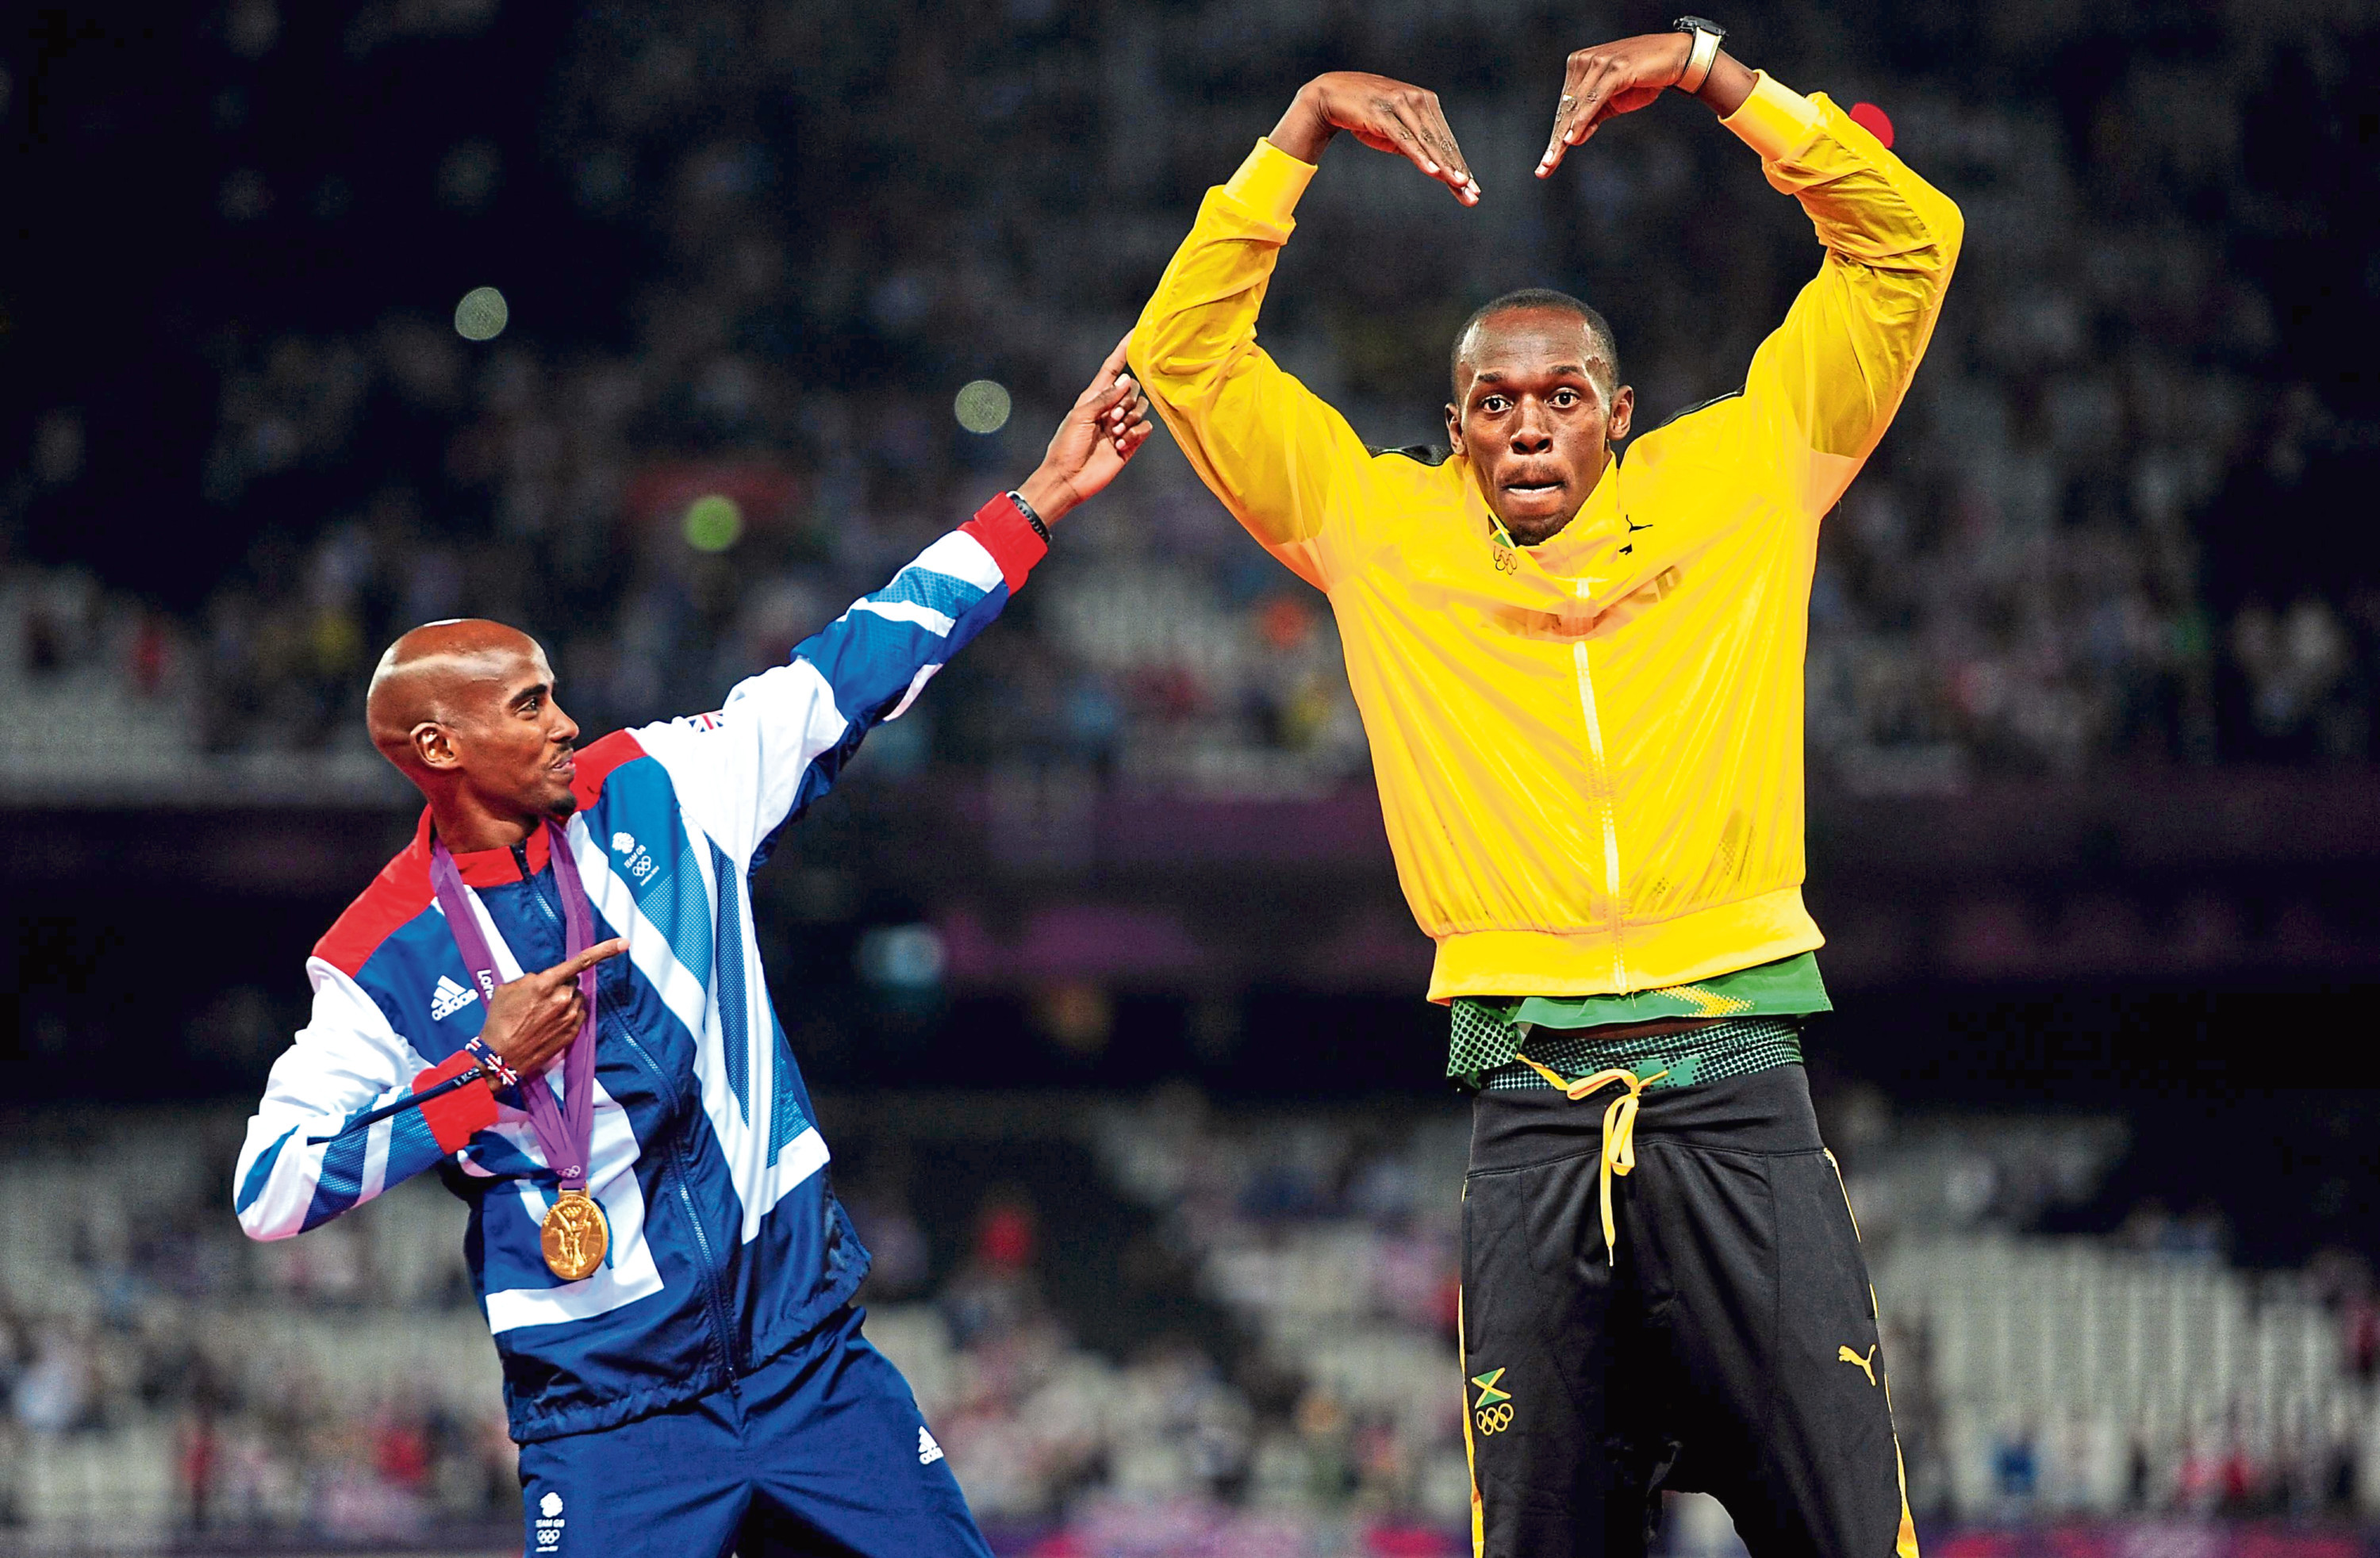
[1775,121]
[454,1118]
[1001,528]
[1269,182]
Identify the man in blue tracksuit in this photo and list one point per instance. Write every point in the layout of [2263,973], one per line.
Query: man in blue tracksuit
[683,1367]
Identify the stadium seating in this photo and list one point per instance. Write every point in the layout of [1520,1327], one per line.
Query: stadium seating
[2033,1376]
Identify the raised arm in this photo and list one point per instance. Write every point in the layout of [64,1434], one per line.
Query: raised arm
[1823,387]
[1264,443]
[782,737]
[1826,384]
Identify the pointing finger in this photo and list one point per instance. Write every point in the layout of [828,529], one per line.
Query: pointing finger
[570,968]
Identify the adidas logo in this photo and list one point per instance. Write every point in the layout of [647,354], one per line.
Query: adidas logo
[928,1451]
[449,998]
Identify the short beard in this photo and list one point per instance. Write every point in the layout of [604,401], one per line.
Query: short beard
[1553,528]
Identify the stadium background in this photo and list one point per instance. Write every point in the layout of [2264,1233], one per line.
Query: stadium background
[1097,959]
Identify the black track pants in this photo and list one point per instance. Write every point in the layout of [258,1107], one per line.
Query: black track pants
[1731,1349]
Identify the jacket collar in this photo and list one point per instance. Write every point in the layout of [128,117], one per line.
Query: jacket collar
[1588,536]
[1584,550]
[483,867]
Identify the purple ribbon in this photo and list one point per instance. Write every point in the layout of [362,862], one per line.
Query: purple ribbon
[565,1129]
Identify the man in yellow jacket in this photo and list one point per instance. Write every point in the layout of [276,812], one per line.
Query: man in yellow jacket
[1582,681]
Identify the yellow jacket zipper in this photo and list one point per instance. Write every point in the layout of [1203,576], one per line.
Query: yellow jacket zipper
[1611,819]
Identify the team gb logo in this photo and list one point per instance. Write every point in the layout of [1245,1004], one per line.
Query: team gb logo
[634,858]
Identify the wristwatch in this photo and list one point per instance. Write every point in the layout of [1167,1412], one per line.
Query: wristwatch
[1706,50]
[1032,516]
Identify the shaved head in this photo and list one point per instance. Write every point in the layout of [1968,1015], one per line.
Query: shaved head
[466,710]
[1604,351]
[431,674]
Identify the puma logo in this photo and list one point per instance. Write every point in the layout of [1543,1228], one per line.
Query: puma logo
[1867,1365]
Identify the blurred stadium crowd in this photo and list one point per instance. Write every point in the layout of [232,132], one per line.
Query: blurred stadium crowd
[1151,1326]
[2101,533]
[752,251]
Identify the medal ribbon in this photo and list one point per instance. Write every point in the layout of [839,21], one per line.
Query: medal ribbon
[564,1129]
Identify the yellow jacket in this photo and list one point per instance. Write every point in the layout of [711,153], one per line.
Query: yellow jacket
[1589,753]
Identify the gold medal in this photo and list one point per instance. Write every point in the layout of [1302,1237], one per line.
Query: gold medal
[575,1235]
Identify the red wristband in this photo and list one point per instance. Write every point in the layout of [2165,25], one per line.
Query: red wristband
[1000,530]
[453,1118]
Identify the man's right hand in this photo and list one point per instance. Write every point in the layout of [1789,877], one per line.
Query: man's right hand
[533,1019]
[1103,429]
[1385,116]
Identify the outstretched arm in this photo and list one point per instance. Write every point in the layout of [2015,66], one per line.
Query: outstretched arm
[1264,443]
[782,737]
[1823,386]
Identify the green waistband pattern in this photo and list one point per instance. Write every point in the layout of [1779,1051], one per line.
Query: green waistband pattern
[1489,1032]
[1699,1054]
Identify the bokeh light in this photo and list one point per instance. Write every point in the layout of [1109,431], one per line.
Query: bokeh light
[482,314]
[982,406]
[713,522]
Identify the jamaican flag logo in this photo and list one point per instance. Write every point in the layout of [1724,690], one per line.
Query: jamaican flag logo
[1493,1410]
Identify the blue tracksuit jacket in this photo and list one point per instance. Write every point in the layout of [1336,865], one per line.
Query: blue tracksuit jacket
[727,1245]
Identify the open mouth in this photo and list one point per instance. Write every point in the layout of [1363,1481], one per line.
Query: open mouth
[567,764]
[1532,488]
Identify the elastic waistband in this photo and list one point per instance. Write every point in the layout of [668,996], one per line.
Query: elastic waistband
[1668,1054]
[1767,1112]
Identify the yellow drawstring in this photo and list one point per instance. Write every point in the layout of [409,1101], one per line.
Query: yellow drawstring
[1619,1130]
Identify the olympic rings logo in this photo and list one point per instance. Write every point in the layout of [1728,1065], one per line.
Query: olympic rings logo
[1496,1419]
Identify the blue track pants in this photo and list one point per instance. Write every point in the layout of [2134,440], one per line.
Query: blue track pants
[822,1450]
